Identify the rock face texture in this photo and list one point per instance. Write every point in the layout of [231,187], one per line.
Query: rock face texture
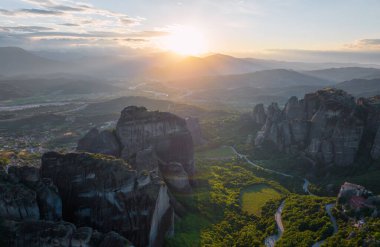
[24,196]
[144,137]
[329,126]
[106,194]
[165,133]
[259,115]
[97,199]
[104,142]
[37,233]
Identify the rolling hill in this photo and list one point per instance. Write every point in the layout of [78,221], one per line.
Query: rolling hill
[345,74]
[261,79]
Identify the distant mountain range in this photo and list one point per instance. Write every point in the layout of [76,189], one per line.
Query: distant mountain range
[13,88]
[345,74]
[361,87]
[214,77]
[15,61]
[165,66]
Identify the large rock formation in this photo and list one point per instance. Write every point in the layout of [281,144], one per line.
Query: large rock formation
[147,139]
[84,199]
[328,125]
[139,129]
[106,194]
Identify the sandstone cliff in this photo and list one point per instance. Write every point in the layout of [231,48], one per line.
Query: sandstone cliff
[329,126]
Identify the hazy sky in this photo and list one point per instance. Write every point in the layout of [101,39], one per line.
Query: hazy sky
[331,30]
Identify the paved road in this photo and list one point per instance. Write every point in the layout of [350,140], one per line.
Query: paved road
[242,156]
[333,221]
[271,240]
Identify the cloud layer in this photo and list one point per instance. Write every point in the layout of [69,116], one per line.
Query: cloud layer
[68,23]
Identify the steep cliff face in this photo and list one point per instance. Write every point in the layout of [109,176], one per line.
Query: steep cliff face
[105,193]
[259,116]
[144,137]
[328,125]
[139,129]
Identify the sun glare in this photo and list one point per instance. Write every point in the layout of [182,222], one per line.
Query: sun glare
[185,41]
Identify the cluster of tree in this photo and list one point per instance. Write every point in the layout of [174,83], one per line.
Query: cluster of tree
[217,219]
[353,232]
[305,221]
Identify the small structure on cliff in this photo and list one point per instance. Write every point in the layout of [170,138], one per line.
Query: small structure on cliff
[355,199]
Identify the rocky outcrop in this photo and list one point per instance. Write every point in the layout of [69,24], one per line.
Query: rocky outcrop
[17,201]
[258,114]
[142,137]
[175,176]
[48,200]
[37,233]
[328,126]
[375,152]
[105,193]
[104,142]
[167,134]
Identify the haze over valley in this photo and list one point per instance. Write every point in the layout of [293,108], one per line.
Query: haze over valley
[182,124]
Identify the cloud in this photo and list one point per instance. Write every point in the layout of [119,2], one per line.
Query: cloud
[5,12]
[38,12]
[70,24]
[27,28]
[365,44]
[30,12]
[322,56]
[73,23]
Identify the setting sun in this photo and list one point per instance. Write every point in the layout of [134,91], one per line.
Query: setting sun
[185,41]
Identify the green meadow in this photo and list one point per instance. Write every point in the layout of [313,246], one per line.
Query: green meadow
[254,197]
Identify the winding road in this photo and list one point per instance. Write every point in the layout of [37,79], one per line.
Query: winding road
[271,240]
[242,156]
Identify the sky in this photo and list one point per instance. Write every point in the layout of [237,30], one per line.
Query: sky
[299,30]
